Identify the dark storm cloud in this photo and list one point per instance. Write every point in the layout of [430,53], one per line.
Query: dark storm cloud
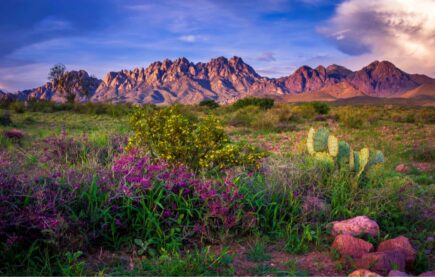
[396,30]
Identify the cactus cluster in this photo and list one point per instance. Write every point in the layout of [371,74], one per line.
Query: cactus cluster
[326,147]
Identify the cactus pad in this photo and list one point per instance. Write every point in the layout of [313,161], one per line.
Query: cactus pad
[356,161]
[364,155]
[332,146]
[351,160]
[310,144]
[320,140]
[378,157]
[343,152]
[324,157]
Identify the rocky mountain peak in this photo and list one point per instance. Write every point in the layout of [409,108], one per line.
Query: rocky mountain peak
[386,68]
[321,69]
[227,80]
[338,71]
[236,61]
[78,82]
[303,69]
[382,79]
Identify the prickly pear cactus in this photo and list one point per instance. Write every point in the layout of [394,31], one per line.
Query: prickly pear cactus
[332,146]
[356,161]
[351,160]
[377,157]
[324,157]
[310,143]
[320,140]
[364,155]
[327,148]
[343,153]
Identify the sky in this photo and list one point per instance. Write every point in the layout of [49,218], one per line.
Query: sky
[274,36]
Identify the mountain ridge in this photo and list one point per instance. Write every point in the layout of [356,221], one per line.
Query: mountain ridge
[226,80]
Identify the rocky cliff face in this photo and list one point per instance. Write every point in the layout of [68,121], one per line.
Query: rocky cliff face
[226,80]
[83,85]
[306,79]
[180,81]
[384,79]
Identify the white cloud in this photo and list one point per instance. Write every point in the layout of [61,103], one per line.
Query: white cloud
[266,57]
[23,76]
[192,38]
[402,31]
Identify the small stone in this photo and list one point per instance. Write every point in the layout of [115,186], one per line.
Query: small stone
[363,273]
[402,168]
[347,245]
[423,166]
[401,244]
[382,262]
[355,227]
[14,134]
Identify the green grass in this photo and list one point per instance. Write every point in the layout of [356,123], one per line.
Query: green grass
[258,252]
[192,263]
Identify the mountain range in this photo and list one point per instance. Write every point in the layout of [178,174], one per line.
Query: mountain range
[226,80]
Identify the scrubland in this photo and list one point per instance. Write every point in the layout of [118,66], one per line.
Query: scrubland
[92,189]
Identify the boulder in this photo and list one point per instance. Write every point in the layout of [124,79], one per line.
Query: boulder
[401,244]
[382,262]
[347,245]
[363,273]
[396,273]
[14,134]
[402,168]
[355,226]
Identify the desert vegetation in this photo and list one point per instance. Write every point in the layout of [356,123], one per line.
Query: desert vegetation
[252,188]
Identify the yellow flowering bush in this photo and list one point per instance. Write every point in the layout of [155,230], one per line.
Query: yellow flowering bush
[201,144]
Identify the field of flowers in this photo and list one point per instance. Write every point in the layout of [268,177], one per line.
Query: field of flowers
[207,190]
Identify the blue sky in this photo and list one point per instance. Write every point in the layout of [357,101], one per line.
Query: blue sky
[274,36]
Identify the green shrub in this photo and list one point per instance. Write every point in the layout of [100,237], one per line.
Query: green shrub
[268,120]
[5,119]
[263,103]
[304,111]
[210,103]
[39,105]
[351,119]
[320,107]
[17,106]
[277,118]
[244,117]
[422,152]
[199,143]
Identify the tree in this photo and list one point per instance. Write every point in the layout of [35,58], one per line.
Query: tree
[65,83]
[57,72]
[209,103]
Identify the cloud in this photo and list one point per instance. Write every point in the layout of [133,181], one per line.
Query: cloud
[23,76]
[266,57]
[402,31]
[191,38]
[277,70]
